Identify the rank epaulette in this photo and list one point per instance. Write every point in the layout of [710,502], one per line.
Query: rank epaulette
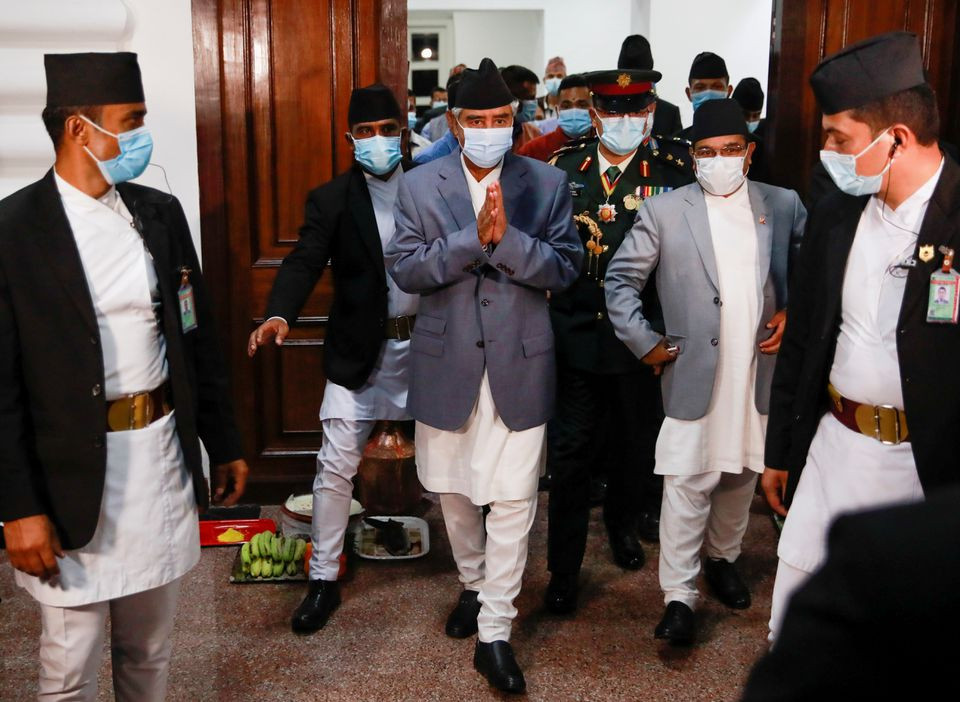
[672,151]
[570,147]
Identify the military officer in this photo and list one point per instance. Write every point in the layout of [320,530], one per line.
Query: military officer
[608,406]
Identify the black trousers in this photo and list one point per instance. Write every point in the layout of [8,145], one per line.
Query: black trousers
[602,421]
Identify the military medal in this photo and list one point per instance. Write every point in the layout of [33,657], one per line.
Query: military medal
[607,213]
[630,201]
[926,253]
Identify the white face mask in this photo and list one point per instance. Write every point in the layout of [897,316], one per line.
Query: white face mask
[485,147]
[721,175]
[843,170]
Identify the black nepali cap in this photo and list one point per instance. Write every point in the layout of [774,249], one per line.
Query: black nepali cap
[749,94]
[92,79]
[868,71]
[635,53]
[719,118]
[372,104]
[708,65]
[483,88]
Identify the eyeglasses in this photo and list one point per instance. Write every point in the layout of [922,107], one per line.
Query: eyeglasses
[728,150]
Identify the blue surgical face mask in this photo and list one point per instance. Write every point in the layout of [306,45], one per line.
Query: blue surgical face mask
[704,95]
[752,126]
[411,119]
[625,133]
[574,121]
[438,103]
[843,169]
[377,154]
[552,85]
[485,147]
[136,147]
[527,111]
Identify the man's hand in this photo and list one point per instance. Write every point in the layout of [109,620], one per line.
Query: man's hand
[487,218]
[266,331]
[778,322]
[774,485]
[33,546]
[500,224]
[659,356]
[229,482]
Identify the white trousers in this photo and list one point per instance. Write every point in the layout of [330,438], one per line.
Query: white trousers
[491,560]
[337,463]
[787,582]
[71,646]
[708,508]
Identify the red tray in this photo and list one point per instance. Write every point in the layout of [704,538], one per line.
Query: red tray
[210,530]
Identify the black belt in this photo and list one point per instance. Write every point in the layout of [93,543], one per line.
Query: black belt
[399,327]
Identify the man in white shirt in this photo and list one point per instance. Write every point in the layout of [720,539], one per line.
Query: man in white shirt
[109,378]
[721,249]
[348,222]
[862,408]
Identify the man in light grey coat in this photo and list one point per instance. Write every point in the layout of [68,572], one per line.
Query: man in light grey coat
[721,248]
[482,236]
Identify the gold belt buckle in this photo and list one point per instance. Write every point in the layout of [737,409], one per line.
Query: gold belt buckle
[130,412]
[881,422]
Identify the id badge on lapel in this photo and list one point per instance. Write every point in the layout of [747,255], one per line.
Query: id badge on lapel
[188,310]
[943,299]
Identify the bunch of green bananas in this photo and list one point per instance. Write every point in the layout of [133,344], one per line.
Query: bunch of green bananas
[267,555]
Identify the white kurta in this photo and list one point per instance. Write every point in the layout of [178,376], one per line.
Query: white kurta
[147,532]
[484,459]
[845,470]
[730,435]
[384,395]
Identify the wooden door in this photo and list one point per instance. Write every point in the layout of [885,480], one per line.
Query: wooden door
[273,81]
[805,31]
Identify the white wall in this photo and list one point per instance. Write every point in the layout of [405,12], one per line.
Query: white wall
[588,33]
[737,30]
[158,31]
[509,37]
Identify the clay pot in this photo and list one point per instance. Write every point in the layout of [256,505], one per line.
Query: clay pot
[387,480]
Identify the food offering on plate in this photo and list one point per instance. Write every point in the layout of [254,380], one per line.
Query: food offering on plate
[392,538]
[296,514]
[232,532]
[270,556]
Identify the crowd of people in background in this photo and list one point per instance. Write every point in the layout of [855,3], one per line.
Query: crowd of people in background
[571,291]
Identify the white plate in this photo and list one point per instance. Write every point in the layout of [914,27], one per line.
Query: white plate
[411,524]
[303,505]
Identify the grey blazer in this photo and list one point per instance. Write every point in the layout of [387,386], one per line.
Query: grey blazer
[672,235]
[480,310]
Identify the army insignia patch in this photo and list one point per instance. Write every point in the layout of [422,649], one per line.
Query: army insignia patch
[926,253]
[607,213]
[623,80]
[630,202]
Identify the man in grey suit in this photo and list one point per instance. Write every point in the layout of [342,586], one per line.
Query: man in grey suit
[482,236]
[721,248]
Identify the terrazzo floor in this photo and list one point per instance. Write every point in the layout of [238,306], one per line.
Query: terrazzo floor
[386,642]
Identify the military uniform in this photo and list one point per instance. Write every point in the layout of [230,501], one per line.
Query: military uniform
[608,407]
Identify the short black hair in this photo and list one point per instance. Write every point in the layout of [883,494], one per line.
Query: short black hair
[55,119]
[437,89]
[574,81]
[515,76]
[915,107]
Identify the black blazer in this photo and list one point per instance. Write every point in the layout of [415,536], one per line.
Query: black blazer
[340,227]
[52,408]
[851,632]
[927,353]
[666,119]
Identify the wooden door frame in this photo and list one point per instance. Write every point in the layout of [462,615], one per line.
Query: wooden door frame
[221,44]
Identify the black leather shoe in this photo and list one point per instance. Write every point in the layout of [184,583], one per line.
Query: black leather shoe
[649,527]
[626,547]
[496,662]
[725,582]
[561,594]
[677,625]
[322,598]
[462,621]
